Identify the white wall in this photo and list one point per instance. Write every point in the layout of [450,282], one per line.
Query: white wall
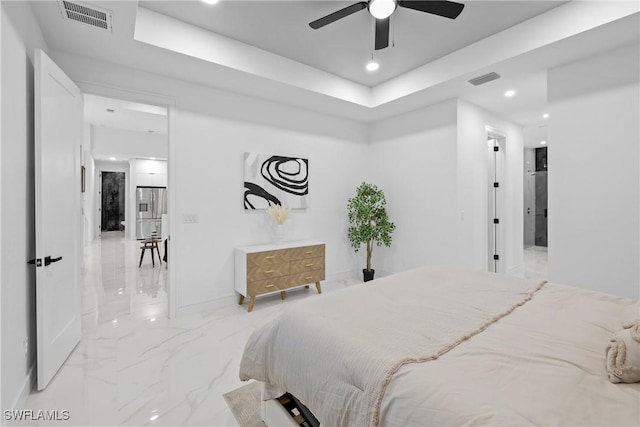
[209,169]
[413,159]
[125,143]
[433,166]
[213,129]
[593,179]
[472,189]
[20,35]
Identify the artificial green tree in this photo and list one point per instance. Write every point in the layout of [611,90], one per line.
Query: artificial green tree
[368,219]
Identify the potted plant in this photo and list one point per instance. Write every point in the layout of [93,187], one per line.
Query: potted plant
[368,222]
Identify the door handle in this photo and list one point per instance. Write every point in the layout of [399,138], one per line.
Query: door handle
[48,260]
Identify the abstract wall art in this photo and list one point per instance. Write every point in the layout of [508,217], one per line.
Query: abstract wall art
[275,180]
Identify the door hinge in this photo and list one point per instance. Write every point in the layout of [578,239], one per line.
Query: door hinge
[496,257]
[496,221]
[36,261]
[496,184]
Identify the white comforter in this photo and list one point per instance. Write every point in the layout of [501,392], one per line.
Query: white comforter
[437,346]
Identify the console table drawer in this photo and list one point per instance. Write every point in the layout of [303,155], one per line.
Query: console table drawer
[309,264]
[268,271]
[304,252]
[268,257]
[306,277]
[265,286]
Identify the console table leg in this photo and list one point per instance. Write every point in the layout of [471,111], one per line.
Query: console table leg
[241,299]
[251,302]
[318,287]
[283,294]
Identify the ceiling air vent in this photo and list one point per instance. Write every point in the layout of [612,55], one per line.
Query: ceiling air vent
[89,15]
[484,79]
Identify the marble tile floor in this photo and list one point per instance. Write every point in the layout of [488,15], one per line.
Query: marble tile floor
[134,366]
[535,262]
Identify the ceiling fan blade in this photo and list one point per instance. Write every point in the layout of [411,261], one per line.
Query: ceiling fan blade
[382,33]
[342,13]
[448,9]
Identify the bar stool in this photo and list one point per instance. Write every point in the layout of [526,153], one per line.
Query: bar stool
[150,244]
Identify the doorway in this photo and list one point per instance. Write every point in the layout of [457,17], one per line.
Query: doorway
[535,210]
[127,144]
[541,188]
[496,143]
[113,199]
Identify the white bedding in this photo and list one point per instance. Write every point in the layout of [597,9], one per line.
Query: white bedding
[508,355]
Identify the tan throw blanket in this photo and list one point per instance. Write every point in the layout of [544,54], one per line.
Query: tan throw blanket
[338,352]
[623,354]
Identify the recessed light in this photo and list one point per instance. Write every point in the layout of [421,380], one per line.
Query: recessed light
[210,1]
[153,319]
[543,142]
[154,417]
[509,93]
[152,158]
[372,66]
[545,116]
[112,158]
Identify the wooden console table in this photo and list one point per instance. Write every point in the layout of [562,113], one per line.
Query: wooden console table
[267,269]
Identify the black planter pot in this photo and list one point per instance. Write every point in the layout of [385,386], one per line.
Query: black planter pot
[368,274]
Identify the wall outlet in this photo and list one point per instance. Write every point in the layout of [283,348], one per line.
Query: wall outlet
[26,346]
[191,218]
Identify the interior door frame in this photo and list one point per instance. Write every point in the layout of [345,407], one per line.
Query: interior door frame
[496,166]
[171,105]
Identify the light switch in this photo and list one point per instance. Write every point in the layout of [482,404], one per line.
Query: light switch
[191,218]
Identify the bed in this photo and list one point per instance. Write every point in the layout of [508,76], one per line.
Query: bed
[447,347]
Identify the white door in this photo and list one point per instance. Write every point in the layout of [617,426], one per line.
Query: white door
[58,136]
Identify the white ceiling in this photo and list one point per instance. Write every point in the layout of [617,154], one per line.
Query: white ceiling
[343,47]
[125,115]
[266,49]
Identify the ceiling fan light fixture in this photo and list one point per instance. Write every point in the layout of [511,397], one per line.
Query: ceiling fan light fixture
[381,9]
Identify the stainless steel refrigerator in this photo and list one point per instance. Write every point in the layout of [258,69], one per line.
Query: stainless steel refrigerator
[151,205]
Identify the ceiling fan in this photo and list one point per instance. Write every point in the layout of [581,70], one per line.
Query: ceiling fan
[381,10]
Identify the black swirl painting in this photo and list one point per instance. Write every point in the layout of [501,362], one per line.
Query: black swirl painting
[275,180]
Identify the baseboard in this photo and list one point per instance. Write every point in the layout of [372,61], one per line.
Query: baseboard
[342,275]
[20,400]
[208,305]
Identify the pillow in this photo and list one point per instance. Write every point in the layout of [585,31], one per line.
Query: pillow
[623,354]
